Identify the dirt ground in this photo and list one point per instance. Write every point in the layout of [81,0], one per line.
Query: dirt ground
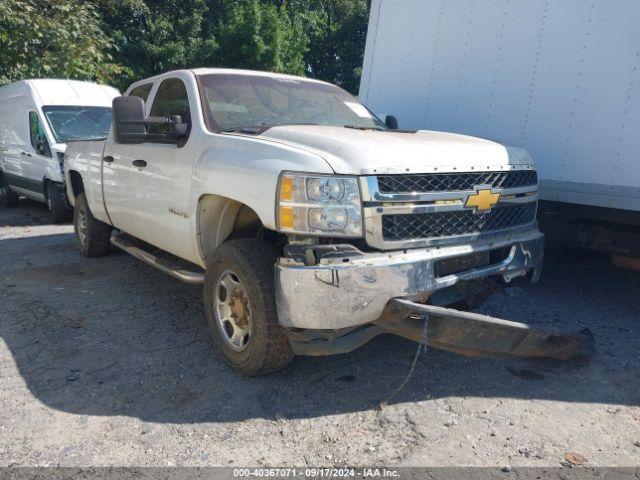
[108,362]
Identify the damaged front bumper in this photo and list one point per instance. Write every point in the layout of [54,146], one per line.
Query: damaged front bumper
[354,289]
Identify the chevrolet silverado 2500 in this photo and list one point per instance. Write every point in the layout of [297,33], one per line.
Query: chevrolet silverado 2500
[313,225]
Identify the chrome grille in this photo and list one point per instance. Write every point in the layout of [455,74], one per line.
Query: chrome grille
[459,222]
[451,182]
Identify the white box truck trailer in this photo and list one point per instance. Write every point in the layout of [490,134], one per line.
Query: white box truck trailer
[561,79]
[38,119]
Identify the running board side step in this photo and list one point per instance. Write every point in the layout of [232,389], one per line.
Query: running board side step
[134,248]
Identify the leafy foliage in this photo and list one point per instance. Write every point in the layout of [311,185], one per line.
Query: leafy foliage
[120,41]
[262,37]
[54,38]
[337,32]
[155,36]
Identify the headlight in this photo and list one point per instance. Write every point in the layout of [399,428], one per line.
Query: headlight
[319,205]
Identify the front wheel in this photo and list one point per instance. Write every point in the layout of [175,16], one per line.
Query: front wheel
[7,197]
[58,204]
[91,235]
[240,306]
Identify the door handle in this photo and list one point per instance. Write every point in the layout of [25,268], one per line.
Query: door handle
[139,163]
[25,153]
[108,159]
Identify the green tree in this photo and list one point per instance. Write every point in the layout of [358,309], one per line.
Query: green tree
[262,36]
[121,41]
[155,36]
[53,38]
[337,32]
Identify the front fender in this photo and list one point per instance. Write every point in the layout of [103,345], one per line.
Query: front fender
[246,170]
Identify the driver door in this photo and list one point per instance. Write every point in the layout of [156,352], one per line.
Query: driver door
[37,156]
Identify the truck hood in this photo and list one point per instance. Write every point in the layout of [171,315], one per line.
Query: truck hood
[366,152]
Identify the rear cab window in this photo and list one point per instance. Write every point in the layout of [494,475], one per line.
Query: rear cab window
[142,91]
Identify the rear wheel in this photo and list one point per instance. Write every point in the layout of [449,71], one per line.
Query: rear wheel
[91,235]
[241,308]
[7,197]
[58,204]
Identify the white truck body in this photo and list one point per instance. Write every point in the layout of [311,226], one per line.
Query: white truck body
[328,198]
[29,110]
[561,79]
[244,169]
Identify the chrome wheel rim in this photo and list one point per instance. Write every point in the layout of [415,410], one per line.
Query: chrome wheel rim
[233,311]
[82,226]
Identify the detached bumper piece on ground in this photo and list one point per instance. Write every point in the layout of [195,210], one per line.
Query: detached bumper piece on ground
[465,333]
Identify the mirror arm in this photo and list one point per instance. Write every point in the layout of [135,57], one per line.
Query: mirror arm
[170,120]
[142,137]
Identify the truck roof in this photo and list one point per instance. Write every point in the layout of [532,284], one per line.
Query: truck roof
[223,71]
[257,73]
[49,91]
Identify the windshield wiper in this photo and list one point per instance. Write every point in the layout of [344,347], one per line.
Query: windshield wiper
[358,127]
[263,127]
[250,129]
[91,139]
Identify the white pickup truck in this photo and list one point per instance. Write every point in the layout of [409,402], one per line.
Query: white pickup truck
[313,225]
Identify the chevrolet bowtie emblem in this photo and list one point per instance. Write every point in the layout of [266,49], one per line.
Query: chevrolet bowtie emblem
[482,200]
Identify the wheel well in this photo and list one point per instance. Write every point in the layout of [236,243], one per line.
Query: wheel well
[220,218]
[247,223]
[45,186]
[77,185]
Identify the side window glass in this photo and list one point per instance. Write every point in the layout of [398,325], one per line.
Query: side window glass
[171,99]
[38,137]
[142,91]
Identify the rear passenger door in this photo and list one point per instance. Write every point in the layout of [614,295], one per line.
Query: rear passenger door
[164,183]
[122,196]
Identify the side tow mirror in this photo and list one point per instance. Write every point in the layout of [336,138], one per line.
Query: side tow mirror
[129,120]
[391,122]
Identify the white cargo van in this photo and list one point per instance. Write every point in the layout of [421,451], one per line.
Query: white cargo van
[38,118]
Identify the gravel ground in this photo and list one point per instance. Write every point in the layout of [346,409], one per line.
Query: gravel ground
[108,362]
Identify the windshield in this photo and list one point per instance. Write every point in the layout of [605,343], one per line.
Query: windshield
[231,102]
[70,123]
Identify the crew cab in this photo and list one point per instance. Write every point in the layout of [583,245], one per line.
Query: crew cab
[311,222]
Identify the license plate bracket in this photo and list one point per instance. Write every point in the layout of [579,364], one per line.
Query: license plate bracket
[451,266]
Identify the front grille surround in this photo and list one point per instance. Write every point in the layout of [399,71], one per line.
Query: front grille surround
[405,219]
[407,227]
[455,182]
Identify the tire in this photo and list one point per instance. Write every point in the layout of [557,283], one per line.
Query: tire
[58,204]
[240,281]
[7,197]
[91,235]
